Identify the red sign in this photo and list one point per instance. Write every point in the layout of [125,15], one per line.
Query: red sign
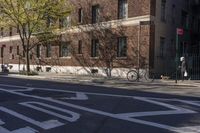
[179,31]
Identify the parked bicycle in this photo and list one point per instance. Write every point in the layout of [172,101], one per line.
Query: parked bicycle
[143,74]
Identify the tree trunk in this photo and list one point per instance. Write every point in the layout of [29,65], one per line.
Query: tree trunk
[27,63]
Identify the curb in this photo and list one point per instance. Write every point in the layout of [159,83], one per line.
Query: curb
[71,79]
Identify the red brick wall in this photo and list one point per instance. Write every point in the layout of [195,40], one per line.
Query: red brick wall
[110,10]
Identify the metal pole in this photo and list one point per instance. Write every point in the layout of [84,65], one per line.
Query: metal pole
[2,53]
[177,45]
[139,32]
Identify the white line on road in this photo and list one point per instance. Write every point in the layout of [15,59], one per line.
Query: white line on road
[116,116]
[74,116]
[79,96]
[21,130]
[56,90]
[45,125]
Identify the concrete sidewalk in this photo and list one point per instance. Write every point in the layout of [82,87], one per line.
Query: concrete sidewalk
[188,88]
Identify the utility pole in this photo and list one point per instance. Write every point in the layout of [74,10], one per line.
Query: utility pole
[138,61]
[179,32]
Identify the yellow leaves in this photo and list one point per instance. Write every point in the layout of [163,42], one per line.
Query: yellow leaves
[34,12]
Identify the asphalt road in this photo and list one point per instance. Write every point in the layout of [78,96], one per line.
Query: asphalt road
[32,106]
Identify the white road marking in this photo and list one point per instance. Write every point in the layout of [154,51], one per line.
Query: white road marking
[116,116]
[21,130]
[74,116]
[56,90]
[28,89]
[190,102]
[45,125]
[79,96]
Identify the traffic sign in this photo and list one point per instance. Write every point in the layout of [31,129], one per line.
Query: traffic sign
[179,31]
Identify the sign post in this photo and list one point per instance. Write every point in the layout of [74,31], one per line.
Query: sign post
[179,32]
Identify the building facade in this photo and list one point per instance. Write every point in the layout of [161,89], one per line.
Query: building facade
[114,35]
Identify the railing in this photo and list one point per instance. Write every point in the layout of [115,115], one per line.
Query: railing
[193,62]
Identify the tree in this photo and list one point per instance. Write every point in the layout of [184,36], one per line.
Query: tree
[36,21]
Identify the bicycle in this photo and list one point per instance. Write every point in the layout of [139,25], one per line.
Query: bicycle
[136,75]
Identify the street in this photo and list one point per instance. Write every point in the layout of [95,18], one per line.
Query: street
[33,106]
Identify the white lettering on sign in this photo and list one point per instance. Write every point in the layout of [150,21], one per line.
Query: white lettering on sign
[74,116]
[45,125]
[20,130]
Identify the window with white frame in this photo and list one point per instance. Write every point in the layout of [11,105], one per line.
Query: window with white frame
[80,15]
[80,51]
[48,50]
[18,50]
[65,22]
[95,48]
[122,9]
[65,49]
[95,14]
[38,51]
[122,47]
[2,31]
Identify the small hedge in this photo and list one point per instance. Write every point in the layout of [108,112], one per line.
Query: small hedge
[32,73]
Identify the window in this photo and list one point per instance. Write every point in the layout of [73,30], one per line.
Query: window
[2,33]
[10,31]
[198,25]
[184,19]
[17,50]
[38,51]
[17,28]
[122,47]
[80,15]
[79,47]
[162,45]
[65,22]
[95,48]
[123,9]
[11,49]
[95,14]
[64,49]
[48,50]
[2,51]
[173,13]
[163,10]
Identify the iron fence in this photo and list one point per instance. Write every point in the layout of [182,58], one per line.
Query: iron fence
[193,66]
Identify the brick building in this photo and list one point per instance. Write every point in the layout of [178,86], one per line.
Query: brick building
[115,34]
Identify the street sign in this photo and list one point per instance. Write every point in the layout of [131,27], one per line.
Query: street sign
[179,31]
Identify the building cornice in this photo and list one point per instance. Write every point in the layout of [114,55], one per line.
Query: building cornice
[103,25]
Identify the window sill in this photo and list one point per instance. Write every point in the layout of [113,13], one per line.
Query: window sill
[48,58]
[68,57]
[94,58]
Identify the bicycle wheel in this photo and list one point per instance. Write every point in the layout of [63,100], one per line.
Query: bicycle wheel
[149,76]
[132,75]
